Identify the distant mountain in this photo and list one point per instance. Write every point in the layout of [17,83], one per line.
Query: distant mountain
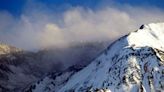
[19,68]
[16,68]
[133,63]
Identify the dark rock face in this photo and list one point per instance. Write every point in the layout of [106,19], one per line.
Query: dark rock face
[142,27]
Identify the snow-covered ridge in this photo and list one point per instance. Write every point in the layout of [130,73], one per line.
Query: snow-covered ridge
[131,64]
[151,35]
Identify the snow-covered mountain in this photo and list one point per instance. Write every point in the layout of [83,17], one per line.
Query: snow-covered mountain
[133,63]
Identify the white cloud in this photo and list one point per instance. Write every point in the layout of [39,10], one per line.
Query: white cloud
[43,29]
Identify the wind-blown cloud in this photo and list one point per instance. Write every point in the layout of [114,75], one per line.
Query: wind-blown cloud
[41,28]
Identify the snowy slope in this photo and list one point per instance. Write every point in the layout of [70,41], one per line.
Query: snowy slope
[133,63]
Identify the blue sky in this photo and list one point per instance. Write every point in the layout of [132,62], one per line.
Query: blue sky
[16,7]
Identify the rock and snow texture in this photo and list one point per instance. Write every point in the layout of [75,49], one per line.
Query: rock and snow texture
[133,63]
[53,81]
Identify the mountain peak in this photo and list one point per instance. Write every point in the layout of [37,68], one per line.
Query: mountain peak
[151,35]
[6,49]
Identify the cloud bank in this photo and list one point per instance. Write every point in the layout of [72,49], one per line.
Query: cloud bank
[41,27]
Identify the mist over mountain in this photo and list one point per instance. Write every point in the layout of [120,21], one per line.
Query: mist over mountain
[19,68]
[71,45]
[132,63]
